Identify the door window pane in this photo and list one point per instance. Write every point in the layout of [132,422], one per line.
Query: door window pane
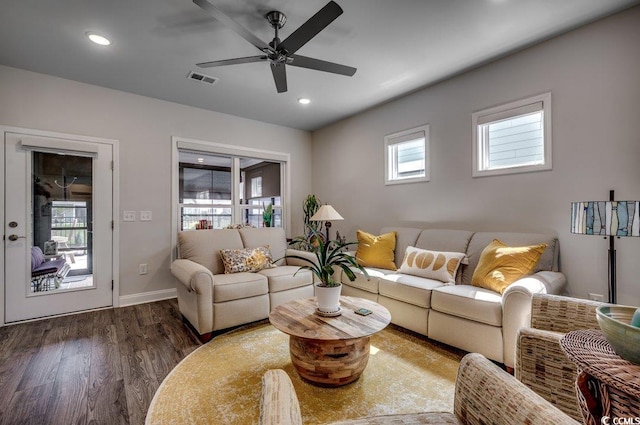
[62,222]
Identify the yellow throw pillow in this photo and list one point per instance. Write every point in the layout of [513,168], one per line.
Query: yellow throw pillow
[376,251]
[434,265]
[501,265]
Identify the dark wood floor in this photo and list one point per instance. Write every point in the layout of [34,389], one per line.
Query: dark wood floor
[101,367]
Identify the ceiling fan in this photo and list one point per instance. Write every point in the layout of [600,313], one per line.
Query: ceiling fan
[281,53]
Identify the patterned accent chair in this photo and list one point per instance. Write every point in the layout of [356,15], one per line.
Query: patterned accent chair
[484,394]
[540,362]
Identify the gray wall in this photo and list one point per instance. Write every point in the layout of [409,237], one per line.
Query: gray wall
[593,74]
[144,127]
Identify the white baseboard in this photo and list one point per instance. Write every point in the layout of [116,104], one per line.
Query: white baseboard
[147,297]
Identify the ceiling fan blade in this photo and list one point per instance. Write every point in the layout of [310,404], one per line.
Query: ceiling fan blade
[320,65]
[236,61]
[233,25]
[279,76]
[311,28]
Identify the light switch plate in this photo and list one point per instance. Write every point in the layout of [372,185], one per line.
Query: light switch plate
[145,215]
[128,216]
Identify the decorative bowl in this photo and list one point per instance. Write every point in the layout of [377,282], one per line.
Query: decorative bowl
[615,322]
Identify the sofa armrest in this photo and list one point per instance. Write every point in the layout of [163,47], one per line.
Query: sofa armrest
[542,366]
[486,394]
[278,402]
[194,276]
[516,306]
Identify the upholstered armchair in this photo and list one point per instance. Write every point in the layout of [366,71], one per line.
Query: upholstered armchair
[540,362]
[484,394]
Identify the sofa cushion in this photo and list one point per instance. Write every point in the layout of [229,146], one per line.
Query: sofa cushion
[203,246]
[228,287]
[469,302]
[361,282]
[501,265]
[282,278]
[405,236]
[275,237]
[51,266]
[246,259]
[376,251]
[436,265]
[37,257]
[407,288]
[444,240]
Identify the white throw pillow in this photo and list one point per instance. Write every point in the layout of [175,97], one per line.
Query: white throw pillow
[441,266]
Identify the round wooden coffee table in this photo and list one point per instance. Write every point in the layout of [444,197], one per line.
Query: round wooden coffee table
[329,351]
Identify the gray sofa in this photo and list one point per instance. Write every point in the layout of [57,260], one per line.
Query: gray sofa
[468,317]
[211,300]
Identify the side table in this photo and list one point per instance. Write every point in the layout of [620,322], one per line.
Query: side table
[607,385]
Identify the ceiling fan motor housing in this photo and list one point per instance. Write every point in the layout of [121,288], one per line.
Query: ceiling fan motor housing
[276,19]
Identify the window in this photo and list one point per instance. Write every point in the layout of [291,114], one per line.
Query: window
[217,185]
[513,138]
[407,156]
[204,191]
[256,186]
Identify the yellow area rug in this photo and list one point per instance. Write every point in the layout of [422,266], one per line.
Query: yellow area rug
[220,382]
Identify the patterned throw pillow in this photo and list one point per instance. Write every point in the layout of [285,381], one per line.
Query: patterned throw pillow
[246,260]
[435,265]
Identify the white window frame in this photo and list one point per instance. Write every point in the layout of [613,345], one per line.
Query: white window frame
[390,160]
[540,102]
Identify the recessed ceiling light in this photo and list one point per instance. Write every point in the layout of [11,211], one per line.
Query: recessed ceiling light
[98,39]
[304,101]
[200,160]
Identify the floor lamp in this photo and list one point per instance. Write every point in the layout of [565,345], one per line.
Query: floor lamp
[327,214]
[611,219]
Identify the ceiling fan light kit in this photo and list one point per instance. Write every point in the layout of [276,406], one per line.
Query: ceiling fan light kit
[281,53]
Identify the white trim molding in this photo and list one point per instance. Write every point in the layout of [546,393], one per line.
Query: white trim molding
[148,297]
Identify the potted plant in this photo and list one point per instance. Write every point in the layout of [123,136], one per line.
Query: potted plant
[267,214]
[309,208]
[329,254]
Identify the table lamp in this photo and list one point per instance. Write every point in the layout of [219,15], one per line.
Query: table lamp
[327,214]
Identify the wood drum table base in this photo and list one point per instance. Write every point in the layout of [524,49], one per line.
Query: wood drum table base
[329,363]
[329,351]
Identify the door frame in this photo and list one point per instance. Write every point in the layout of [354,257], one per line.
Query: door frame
[115,264]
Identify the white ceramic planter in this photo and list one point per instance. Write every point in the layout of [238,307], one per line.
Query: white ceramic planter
[328,298]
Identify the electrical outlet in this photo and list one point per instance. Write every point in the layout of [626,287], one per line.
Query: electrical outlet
[128,216]
[145,215]
[143,269]
[596,297]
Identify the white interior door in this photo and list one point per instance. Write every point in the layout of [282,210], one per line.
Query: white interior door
[58,200]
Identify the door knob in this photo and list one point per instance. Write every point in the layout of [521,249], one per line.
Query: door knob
[14,238]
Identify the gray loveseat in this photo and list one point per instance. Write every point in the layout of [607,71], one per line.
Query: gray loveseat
[461,315]
[211,300]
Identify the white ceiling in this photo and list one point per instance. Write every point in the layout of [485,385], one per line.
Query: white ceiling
[398,46]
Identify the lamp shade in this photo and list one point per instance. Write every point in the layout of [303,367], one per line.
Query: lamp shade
[606,218]
[326,213]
